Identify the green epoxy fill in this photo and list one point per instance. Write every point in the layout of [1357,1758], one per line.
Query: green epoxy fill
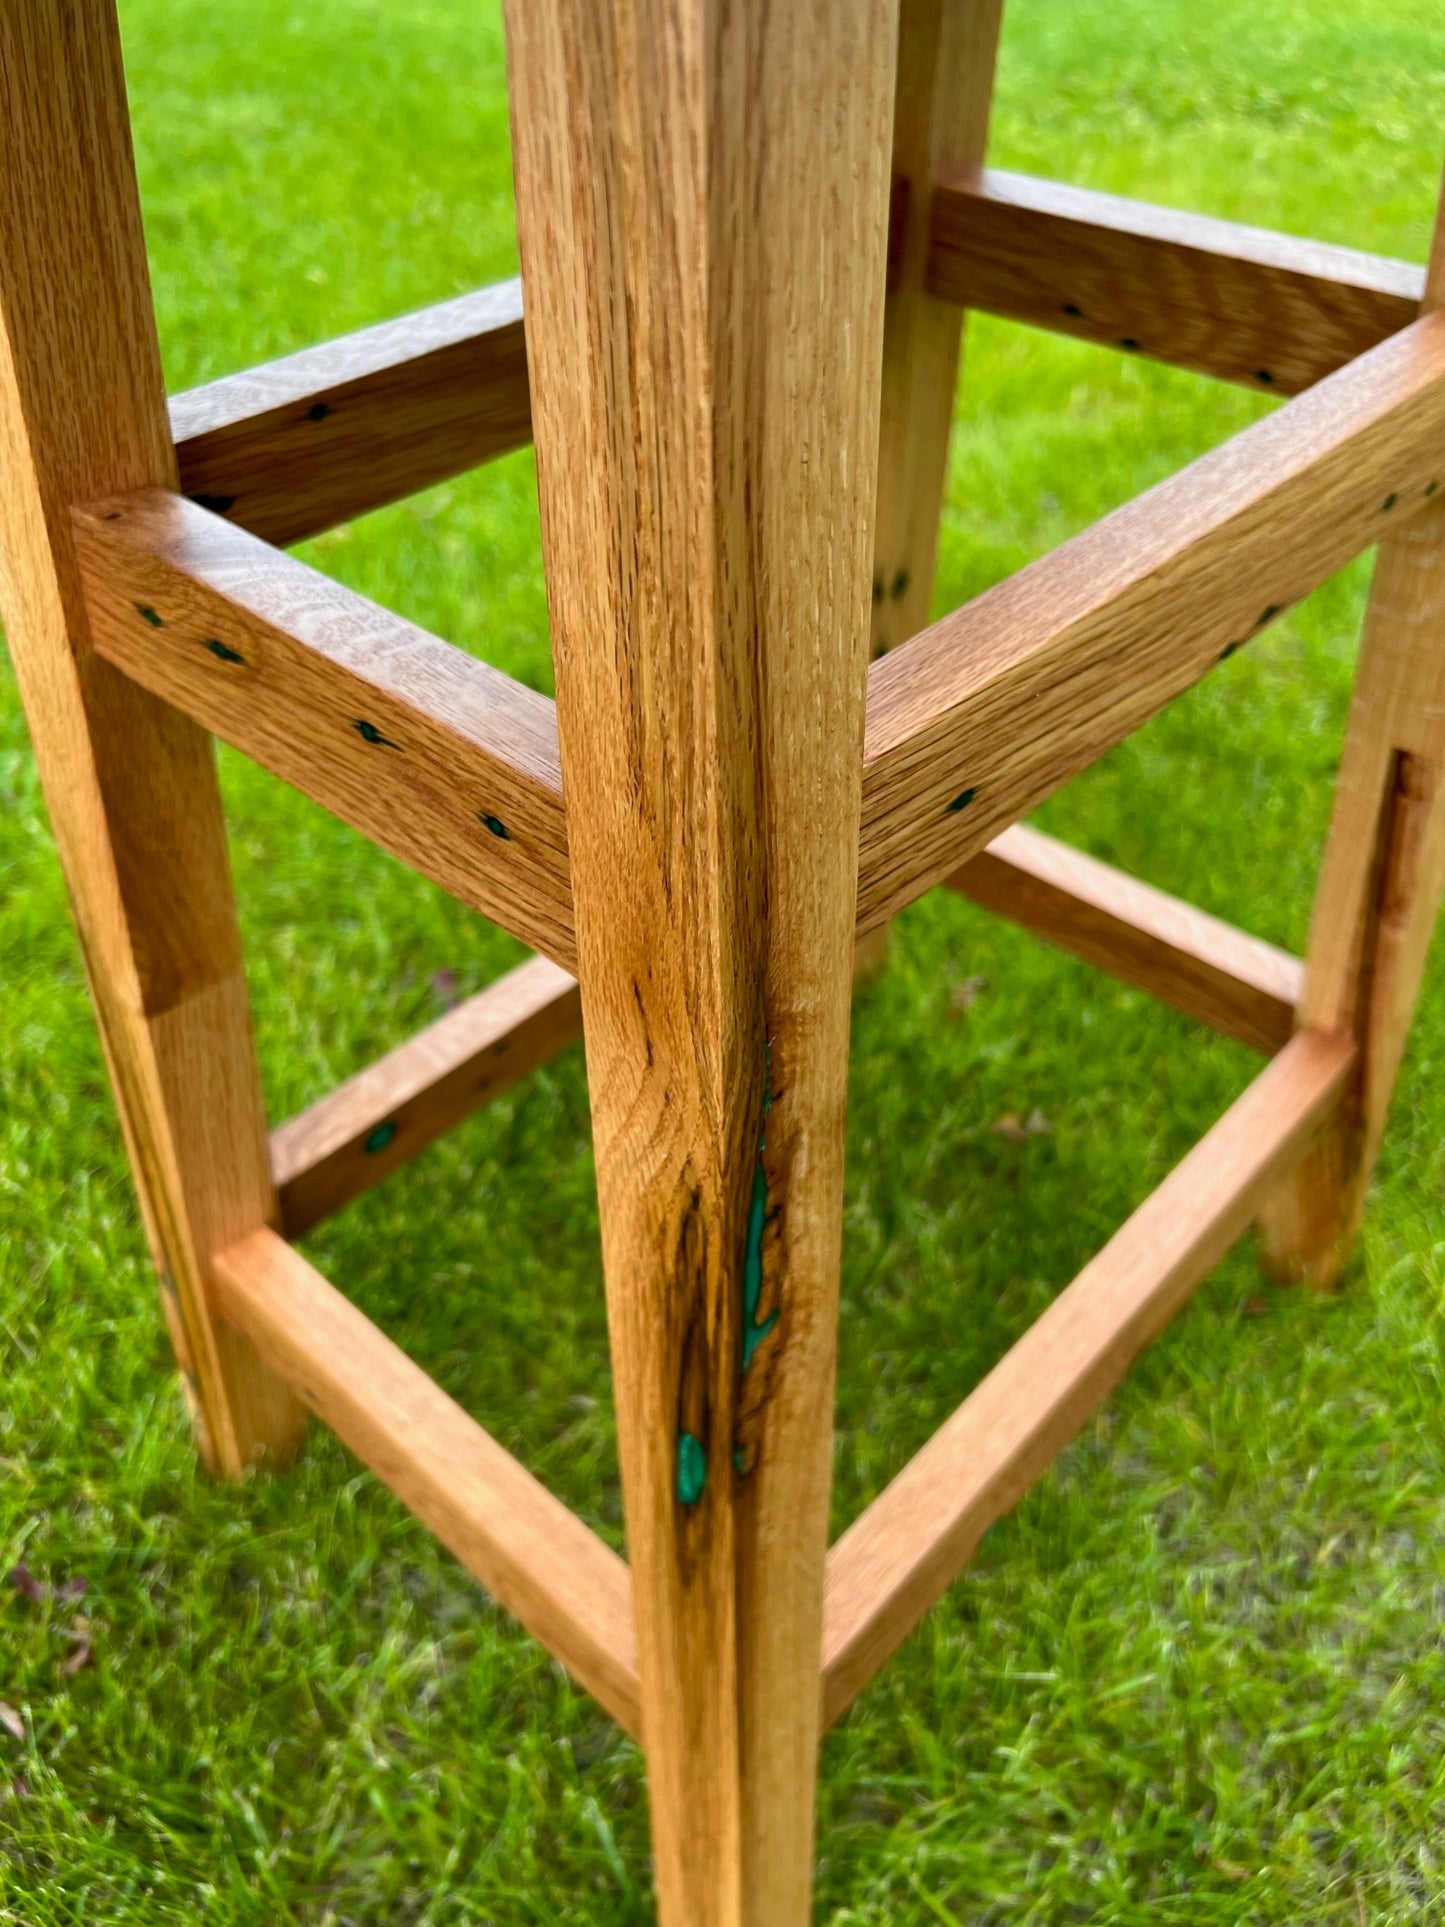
[222,652]
[962,800]
[753,1332]
[378,1139]
[691,1469]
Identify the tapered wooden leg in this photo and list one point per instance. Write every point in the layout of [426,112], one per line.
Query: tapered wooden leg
[702,203]
[131,785]
[947,53]
[1382,881]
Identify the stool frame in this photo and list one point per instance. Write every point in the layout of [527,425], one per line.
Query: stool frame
[738,261]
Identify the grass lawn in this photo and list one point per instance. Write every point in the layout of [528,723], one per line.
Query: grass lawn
[1199,1676]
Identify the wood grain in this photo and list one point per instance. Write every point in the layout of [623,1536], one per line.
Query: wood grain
[907,1548]
[976,720]
[532,1554]
[1268,310]
[440,759]
[947,51]
[387,1113]
[1382,880]
[705,316]
[1235,983]
[315,438]
[130,785]
[301,444]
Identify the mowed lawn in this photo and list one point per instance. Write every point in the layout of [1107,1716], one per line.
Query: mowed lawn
[1199,1676]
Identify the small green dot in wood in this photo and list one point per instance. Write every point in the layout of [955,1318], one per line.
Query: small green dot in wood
[378,1139]
[691,1469]
[961,801]
[497,827]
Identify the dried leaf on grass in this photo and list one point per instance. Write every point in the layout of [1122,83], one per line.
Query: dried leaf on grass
[23,1580]
[1017,1131]
[965,995]
[25,1583]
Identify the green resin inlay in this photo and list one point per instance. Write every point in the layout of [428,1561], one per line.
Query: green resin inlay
[378,1139]
[962,800]
[691,1469]
[223,652]
[753,1332]
[369,733]
[497,827]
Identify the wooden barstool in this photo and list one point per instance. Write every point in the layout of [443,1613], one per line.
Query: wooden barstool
[706,199]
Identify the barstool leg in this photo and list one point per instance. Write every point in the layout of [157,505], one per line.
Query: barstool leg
[947,53]
[1382,881]
[130,783]
[702,205]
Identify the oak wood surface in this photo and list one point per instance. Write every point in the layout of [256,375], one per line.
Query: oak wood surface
[532,1553]
[972,723]
[301,444]
[1271,311]
[947,50]
[906,1549]
[705,319]
[389,1111]
[1236,983]
[1381,881]
[130,785]
[377,1120]
[315,438]
[440,759]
